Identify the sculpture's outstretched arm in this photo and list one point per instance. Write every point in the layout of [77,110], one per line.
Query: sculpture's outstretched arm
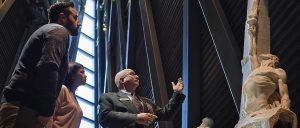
[252,29]
[253,56]
[283,91]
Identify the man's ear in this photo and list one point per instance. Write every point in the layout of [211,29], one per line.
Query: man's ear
[73,77]
[122,81]
[62,18]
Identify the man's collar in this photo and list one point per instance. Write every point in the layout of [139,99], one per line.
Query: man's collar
[126,92]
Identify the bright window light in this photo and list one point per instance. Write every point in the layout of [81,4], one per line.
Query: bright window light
[87,108]
[86,44]
[89,25]
[86,56]
[86,92]
[85,59]
[90,77]
[90,8]
[86,124]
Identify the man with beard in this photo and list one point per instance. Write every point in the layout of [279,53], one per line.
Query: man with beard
[28,100]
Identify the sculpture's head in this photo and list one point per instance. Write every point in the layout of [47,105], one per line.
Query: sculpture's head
[268,60]
[206,123]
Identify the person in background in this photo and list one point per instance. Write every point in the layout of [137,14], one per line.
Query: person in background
[125,109]
[67,112]
[28,100]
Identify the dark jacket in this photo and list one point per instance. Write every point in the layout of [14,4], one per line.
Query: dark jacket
[41,69]
[118,111]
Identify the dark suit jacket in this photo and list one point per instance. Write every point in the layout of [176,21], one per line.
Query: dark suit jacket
[118,111]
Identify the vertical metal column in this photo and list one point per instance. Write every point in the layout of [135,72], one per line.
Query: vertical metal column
[225,45]
[191,70]
[120,35]
[108,44]
[154,58]
[130,51]
[185,59]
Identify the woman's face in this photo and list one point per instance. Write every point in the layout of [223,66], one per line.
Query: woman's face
[79,78]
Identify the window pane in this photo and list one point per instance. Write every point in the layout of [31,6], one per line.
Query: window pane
[86,92]
[87,108]
[86,44]
[90,7]
[90,78]
[89,26]
[85,60]
[86,56]
[86,124]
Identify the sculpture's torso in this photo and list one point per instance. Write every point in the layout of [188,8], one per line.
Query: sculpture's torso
[259,86]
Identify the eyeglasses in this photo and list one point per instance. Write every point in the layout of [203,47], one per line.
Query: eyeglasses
[130,74]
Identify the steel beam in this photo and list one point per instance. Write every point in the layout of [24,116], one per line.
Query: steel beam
[154,58]
[120,33]
[226,46]
[4,7]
